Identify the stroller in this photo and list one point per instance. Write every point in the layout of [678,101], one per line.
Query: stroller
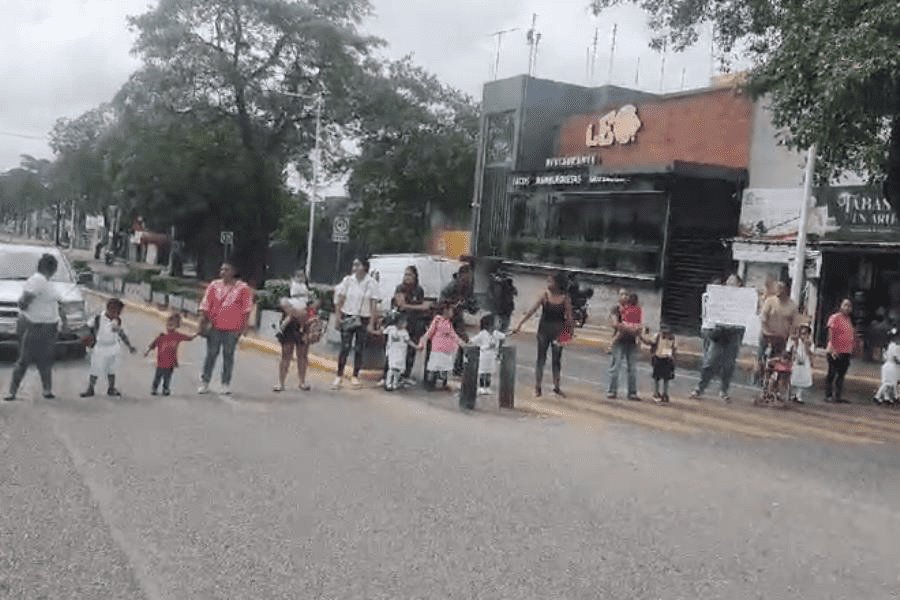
[776,378]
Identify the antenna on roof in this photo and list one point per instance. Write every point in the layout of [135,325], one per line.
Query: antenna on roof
[534,38]
[637,72]
[495,67]
[612,53]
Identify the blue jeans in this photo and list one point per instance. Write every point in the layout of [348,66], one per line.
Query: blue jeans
[623,352]
[720,359]
[226,343]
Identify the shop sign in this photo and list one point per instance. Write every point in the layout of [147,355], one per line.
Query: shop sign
[860,209]
[568,162]
[615,127]
[604,179]
[558,179]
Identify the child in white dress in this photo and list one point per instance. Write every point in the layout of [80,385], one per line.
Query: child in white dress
[397,340]
[801,351]
[107,338]
[489,341]
[890,371]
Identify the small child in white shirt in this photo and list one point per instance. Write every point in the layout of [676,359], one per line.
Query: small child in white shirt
[489,341]
[396,343]
[890,372]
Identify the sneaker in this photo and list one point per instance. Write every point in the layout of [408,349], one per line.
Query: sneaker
[634,397]
[154,393]
[226,390]
[559,393]
[87,394]
[203,389]
[725,397]
[305,387]
[113,392]
[336,384]
[382,382]
[354,381]
[9,398]
[666,399]
[537,392]
[167,393]
[49,396]
[612,396]
[278,388]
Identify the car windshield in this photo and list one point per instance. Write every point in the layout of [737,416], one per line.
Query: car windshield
[17,265]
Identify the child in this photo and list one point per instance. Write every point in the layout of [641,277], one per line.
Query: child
[107,339]
[890,371]
[662,358]
[801,351]
[166,345]
[445,342]
[396,342]
[488,340]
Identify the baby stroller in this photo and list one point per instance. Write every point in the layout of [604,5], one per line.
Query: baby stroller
[776,379]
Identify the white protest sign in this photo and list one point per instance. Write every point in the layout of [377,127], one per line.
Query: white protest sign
[726,305]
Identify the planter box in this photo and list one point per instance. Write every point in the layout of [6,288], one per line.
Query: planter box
[160,299]
[268,323]
[133,291]
[118,286]
[529,257]
[176,302]
[190,306]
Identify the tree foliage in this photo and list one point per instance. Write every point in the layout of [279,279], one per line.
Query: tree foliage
[417,158]
[830,67]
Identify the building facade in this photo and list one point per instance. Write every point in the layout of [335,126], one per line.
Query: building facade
[624,188]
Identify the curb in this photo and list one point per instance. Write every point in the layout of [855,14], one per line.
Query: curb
[316,361]
[692,359]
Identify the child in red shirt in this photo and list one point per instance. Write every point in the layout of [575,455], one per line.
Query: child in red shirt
[630,317]
[166,345]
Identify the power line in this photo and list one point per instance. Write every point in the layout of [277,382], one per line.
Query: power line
[23,135]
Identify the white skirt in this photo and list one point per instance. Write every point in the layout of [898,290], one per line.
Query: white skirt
[441,361]
[105,360]
[801,376]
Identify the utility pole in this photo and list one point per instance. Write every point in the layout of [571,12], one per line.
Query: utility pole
[662,68]
[800,256]
[637,72]
[594,54]
[317,165]
[683,73]
[495,70]
[534,38]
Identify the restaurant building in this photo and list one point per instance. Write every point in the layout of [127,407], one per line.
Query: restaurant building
[624,188]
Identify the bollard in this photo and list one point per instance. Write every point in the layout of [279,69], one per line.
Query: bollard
[469,387]
[507,382]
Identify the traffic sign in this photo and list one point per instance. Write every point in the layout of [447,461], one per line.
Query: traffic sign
[227,238]
[340,230]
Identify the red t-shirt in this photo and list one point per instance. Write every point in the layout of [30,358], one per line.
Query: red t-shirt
[166,345]
[843,335]
[631,314]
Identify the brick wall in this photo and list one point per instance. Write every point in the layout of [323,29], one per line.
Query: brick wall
[712,127]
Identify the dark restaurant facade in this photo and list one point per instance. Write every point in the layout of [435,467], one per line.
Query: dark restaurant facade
[623,188]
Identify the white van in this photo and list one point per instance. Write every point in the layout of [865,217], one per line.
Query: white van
[435,273]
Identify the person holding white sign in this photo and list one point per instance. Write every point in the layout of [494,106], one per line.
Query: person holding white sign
[720,356]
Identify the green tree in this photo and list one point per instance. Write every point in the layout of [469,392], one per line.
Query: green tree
[830,67]
[25,189]
[80,166]
[254,66]
[417,156]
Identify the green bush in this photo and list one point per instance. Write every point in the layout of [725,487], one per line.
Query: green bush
[139,276]
[80,266]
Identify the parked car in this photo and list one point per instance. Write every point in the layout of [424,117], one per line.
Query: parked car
[17,264]
[435,273]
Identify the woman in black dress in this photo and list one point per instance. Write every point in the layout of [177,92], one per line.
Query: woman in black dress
[409,299]
[292,336]
[556,314]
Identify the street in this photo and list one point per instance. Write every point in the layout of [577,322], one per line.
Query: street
[361,494]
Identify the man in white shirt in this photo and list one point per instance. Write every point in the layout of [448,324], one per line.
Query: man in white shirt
[356,306]
[39,315]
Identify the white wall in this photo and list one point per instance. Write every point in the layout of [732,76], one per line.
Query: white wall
[772,165]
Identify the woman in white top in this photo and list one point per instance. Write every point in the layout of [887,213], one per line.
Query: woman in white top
[890,371]
[356,307]
[299,290]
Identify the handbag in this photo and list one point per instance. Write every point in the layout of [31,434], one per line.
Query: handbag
[351,322]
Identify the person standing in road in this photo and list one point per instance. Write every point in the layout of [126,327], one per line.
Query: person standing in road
[225,315]
[460,294]
[722,344]
[841,343]
[556,313]
[356,304]
[626,319]
[409,299]
[39,317]
[778,319]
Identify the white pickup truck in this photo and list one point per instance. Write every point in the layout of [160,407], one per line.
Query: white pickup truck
[18,263]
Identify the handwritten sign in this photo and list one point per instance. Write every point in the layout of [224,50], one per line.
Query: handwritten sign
[724,305]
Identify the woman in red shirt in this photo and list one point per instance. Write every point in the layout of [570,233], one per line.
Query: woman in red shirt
[841,342]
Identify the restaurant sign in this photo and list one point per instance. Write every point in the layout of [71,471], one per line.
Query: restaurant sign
[566,179]
[615,127]
[570,162]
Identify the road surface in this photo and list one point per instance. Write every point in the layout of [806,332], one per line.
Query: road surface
[365,495]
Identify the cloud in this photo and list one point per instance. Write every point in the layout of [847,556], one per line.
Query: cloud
[63,57]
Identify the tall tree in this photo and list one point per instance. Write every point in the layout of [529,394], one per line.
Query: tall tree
[417,157]
[257,65]
[831,68]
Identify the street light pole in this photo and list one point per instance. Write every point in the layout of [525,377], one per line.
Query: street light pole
[800,257]
[317,158]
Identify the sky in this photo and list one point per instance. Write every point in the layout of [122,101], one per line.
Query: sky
[59,58]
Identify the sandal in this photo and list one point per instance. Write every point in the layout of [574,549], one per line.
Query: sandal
[305,387]
[278,388]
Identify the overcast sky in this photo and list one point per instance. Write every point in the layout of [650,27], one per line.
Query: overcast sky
[61,57]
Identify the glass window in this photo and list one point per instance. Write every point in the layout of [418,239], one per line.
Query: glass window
[500,135]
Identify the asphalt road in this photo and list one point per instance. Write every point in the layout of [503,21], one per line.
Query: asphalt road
[360,494]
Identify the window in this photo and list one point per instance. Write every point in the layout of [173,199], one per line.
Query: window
[500,136]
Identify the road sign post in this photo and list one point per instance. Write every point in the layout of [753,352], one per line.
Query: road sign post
[227,240]
[340,229]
